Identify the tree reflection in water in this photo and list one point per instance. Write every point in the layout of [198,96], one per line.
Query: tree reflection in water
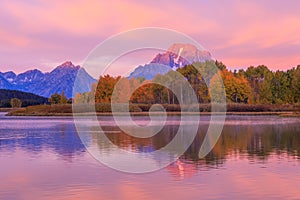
[254,142]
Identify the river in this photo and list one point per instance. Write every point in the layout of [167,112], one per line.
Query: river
[256,157]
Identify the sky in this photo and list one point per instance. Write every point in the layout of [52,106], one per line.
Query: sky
[44,34]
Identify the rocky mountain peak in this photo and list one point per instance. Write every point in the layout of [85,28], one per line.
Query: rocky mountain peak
[9,76]
[178,55]
[67,64]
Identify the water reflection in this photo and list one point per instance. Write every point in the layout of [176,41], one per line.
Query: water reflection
[256,142]
[41,135]
[255,157]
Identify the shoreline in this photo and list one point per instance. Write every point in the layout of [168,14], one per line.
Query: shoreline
[281,114]
[7,109]
[104,109]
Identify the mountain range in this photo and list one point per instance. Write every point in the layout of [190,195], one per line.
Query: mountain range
[178,55]
[45,84]
[63,76]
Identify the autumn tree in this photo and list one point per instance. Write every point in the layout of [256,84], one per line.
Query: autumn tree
[217,91]
[237,88]
[281,87]
[55,99]
[15,103]
[124,89]
[199,75]
[105,88]
[295,85]
[161,92]
[63,98]
[143,94]
[220,65]
[260,79]
[265,89]
[83,98]
[253,85]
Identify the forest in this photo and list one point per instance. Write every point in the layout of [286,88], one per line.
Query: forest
[26,99]
[255,85]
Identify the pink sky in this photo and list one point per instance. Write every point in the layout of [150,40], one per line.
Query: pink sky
[43,34]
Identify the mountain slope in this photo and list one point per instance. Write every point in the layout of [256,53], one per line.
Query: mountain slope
[45,84]
[60,79]
[149,71]
[9,76]
[4,83]
[63,77]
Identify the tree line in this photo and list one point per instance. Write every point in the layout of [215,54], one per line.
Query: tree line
[255,85]
[14,98]
[17,99]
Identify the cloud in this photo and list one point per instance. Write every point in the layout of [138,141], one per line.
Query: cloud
[54,31]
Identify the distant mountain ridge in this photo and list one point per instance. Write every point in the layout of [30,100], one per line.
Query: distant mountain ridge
[45,84]
[178,55]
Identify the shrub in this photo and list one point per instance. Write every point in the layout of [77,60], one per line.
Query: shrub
[15,103]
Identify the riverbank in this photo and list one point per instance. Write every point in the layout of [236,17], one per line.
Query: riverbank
[7,109]
[143,110]
[282,114]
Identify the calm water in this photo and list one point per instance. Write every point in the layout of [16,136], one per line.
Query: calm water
[256,157]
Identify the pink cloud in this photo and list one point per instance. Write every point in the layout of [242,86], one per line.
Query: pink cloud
[57,31]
